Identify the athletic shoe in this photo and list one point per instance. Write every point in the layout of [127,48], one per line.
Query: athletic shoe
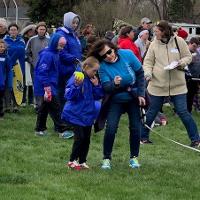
[74,165]
[84,166]
[23,105]
[66,134]
[195,144]
[146,141]
[133,163]
[106,164]
[41,133]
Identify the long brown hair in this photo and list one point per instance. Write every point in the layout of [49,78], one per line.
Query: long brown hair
[164,27]
[99,46]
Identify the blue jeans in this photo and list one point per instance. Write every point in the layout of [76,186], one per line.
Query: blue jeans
[180,105]
[114,114]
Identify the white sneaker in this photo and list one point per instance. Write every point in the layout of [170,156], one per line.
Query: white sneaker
[84,166]
[106,164]
[41,133]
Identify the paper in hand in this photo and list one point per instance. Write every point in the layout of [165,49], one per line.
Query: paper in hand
[172,65]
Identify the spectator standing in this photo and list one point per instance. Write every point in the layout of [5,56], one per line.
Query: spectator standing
[16,51]
[163,83]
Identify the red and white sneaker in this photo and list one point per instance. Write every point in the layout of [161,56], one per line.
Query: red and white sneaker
[84,166]
[74,165]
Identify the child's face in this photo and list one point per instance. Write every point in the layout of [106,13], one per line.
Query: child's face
[2,48]
[13,31]
[75,23]
[91,72]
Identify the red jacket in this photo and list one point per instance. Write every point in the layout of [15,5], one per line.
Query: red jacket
[127,43]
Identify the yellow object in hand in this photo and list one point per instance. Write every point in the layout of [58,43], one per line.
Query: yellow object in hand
[79,75]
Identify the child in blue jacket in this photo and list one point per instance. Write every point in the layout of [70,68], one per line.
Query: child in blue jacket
[16,52]
[81,109]
[5,74]
[46,86]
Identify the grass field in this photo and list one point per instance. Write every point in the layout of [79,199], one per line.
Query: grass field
[33,168]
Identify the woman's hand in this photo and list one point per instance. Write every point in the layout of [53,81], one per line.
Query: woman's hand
[142,101]
[117,80]
[94,81]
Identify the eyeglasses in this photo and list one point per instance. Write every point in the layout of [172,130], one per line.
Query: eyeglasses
[107,53]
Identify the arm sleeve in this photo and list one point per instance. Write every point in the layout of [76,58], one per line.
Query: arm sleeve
[72,92]
[140,82]
[9,74]
[97,92]
[149,61]
[66,57]
[43,68]
[28,52]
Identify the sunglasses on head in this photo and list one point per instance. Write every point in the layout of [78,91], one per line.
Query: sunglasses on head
[107,53]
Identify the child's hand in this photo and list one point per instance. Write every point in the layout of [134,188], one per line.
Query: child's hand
[47,94]
[94,81]
[79,77]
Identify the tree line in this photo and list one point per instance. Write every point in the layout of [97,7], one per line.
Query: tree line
[101,13]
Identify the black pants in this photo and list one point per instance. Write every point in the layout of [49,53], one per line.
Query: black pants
[28,89]
[2,92]
[192,87]
[52,108]
[81,143]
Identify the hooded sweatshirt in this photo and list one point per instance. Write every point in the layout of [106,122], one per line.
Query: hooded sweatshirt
[16,50]
[72,49]
[46,69]
[5,72]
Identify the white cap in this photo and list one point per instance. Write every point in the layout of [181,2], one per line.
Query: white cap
[145,20]
[143,32]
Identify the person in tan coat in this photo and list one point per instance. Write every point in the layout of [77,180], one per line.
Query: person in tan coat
[163,67]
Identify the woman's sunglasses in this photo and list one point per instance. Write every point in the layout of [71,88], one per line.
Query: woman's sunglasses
[107,53]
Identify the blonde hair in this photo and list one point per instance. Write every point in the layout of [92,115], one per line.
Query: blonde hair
[3,42]
[89,62]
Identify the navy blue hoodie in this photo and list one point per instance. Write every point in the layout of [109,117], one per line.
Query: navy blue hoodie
[46,70]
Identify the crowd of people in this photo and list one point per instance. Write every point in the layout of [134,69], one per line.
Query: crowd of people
[82,80]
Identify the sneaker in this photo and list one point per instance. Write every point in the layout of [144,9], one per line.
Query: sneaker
[106,164]
[15,109]
[195,144]
[74,165]
[41,133]
[66,134]
[146,141]
[23,105]
[84,166]
[133,163]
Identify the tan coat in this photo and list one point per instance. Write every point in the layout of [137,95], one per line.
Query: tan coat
[166,82]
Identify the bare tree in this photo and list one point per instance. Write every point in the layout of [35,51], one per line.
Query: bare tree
[162,8]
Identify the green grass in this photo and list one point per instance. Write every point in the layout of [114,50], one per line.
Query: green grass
[33,168]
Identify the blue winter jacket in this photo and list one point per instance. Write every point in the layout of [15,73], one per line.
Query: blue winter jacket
[82,107]
[16,50]
[46,70]
[6,75]
[70,53]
